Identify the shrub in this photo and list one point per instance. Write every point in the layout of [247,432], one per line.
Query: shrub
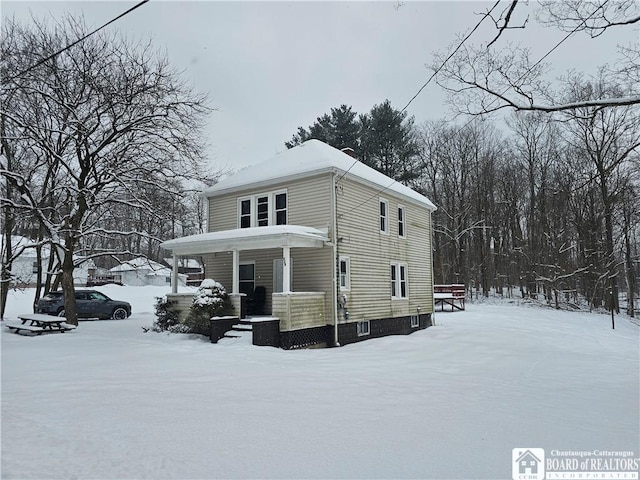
[210,301]
[166,320]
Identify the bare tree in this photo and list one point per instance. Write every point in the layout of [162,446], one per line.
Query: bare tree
[101,121]
[606,138]
[484,78]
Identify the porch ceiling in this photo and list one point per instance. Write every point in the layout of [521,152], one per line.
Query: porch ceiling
[256,238]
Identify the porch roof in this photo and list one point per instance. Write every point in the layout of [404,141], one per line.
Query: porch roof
[255,238]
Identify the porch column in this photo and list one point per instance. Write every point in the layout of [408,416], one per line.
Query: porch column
[235,283]
[174,275]
[286,269]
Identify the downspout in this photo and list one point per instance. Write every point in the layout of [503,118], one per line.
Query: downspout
[334,213]
[433,300]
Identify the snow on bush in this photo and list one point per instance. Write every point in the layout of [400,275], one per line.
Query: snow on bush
[166,319]
[210,301]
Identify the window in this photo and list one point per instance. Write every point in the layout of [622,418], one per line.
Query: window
[247,278]
[100,297]
[401,228]
[398,280]
[344,273]
[281,209]
[384,214]
[34,267]
[245,213]
[363,328]
[263,210]
[415,321]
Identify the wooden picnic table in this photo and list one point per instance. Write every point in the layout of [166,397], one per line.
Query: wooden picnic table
[449,295]
[39,323]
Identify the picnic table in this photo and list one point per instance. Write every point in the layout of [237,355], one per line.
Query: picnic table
[449,295]
[39,323]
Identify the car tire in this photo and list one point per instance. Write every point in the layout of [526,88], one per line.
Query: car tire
[62,313]
[119,314]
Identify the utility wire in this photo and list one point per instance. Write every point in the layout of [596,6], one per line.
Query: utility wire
[494,100]
[565,38]
[420,91]
[53,55]
[451,55]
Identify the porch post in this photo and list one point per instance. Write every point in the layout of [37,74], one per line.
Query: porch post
[235,283]
[174,274]
[286,269]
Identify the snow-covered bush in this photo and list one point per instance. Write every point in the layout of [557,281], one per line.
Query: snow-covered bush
[210,301]
[167,320]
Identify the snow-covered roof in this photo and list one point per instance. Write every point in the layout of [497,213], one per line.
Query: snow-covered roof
[139,263]
[310,158]
[273,236]
[27,249]
[18,241]
[185,262]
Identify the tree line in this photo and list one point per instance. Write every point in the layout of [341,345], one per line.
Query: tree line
[544,203]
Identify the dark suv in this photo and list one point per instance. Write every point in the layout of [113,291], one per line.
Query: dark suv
[89,304]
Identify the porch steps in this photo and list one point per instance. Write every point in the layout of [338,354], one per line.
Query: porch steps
[241,329]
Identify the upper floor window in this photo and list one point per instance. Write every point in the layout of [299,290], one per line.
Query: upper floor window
[281,208]
[384,216]
[245,213]
[401,221]
[263,209]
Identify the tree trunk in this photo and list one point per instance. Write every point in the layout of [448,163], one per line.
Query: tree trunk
[68,288]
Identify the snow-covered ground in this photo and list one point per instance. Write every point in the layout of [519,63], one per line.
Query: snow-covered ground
[112,402]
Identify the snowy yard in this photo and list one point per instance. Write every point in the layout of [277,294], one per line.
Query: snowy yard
[110,401]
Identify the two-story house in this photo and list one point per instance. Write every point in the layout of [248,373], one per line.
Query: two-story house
[339,252]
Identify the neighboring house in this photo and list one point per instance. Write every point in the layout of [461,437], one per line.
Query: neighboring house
[142,271]
[24,268]
[191,267]
[342,252]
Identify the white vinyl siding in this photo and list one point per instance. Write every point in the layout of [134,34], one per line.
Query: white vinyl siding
[372,253]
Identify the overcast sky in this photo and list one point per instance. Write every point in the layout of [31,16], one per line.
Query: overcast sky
[270,67]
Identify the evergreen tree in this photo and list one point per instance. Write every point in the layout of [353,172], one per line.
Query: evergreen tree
[384,138]
[340,129]
[387,142]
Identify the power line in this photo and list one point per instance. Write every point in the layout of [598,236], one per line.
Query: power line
[418,93]
[505,91]
[451,55]
[53,55]
[538,62]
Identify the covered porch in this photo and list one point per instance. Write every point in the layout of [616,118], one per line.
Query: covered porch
[227,252]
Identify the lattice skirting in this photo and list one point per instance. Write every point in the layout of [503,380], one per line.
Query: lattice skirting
[306,337]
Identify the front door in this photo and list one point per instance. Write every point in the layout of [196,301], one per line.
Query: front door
[247,278]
